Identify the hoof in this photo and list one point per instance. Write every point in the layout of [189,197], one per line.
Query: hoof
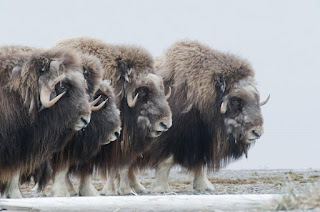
[156,188]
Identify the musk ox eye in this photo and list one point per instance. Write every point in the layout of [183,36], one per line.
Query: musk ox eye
[61,87]
[85,70]
[143,94]
[236,102]
[143,91]
[103,98]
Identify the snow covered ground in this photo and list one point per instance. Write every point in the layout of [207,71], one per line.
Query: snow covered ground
[141,203]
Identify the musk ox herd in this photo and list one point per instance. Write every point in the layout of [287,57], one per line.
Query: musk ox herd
[87,107]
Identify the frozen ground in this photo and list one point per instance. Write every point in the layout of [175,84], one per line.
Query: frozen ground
[141,203]
[240,190]
[225,182]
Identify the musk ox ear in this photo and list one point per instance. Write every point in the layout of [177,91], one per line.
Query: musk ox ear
[220,83]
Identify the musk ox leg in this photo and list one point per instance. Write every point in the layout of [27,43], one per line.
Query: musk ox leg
[70,187]
[161,184]
[35,188]
[112,184]
[59,187]
[86,187]
[201,182]
[124,186]
[135,183]
[13,190]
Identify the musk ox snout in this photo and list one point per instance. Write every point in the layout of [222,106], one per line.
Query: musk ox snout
[84,116]
[82,122]
[161,126]
[253,134]
[113,136]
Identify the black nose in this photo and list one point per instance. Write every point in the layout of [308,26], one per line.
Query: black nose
[117,134]
[256,133]
[164,125]
[84,121]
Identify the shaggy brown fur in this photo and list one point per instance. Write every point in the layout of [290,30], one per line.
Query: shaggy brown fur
[104,122]
[202,78]
[128,68]
[132,57]
[29,133]
[86,143]
[93,74]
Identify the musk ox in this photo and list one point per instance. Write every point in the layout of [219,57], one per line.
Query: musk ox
[145,113]
[43,101]
[104,128]
[216,113]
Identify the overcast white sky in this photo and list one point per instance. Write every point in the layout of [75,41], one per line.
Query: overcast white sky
[281,39]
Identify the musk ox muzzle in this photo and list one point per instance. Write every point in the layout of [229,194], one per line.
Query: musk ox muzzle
[253,134]
[161,126]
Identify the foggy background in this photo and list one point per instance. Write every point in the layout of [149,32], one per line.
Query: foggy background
[281,39]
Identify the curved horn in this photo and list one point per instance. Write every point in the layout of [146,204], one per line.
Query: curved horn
[223,108]
[168,94]
[95,101]
[95,108]
[45,97]
[265,101]
[131,102]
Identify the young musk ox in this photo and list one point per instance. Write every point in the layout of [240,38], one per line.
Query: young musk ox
[43,99]
[216,113]
[145,113]
[104,128]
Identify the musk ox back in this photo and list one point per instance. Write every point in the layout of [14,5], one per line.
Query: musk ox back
[215,106]
[43,98]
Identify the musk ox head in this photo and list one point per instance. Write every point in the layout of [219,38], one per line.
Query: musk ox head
[61,86]
[108,117]
[147,98]
[241,110]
